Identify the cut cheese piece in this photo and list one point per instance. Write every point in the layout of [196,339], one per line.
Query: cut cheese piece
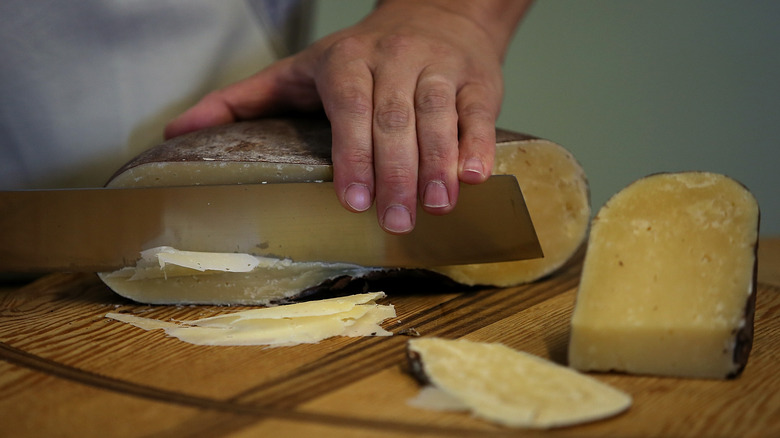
[509,387]
[668,284]
[165,275]
[293,324]
[298,150]
[368,325]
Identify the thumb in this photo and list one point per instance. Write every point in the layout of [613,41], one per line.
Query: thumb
[274,90]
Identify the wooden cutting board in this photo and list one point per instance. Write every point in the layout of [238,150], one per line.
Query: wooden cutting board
[66,370]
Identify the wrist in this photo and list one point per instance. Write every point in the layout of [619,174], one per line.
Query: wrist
[497,19]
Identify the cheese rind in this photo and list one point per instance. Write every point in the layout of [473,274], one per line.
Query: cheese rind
[507,386]
[267,150]
[668,283]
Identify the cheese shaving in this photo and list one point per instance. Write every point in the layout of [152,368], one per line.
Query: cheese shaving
[201,261]
[292,324]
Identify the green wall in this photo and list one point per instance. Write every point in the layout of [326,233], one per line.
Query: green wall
[635,87]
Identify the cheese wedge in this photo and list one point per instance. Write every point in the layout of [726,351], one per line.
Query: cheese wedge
[668,283]
[508,387]
[282,326]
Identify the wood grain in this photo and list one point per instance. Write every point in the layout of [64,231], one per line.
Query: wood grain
[66,370]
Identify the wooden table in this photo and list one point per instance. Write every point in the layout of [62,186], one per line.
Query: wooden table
[66,370]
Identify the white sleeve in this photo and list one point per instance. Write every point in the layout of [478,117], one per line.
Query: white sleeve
[87,85]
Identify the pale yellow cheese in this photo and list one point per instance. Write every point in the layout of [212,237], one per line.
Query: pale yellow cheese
[556,193]
[509,387]
[201,261]
[166,275]
[434,399]
[368,324]
[667,285]
[329,306]
[293,324]
[298,150]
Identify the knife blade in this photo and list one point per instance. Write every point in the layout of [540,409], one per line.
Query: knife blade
[105,229]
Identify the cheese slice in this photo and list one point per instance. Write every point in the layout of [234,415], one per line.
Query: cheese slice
[668,283]
[509,387]
[201,261]
[329,306]
[165,275]
[293,324]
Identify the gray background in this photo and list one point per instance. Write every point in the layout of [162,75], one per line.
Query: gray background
[638,87]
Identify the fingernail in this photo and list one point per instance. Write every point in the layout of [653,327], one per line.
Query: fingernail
[475,166]
[436,195]
[358,196]
[397,219]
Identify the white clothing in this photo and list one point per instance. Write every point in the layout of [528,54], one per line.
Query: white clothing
[85,86]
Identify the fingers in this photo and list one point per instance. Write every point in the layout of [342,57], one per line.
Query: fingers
[210,111]
[395,150]
[277,89]
[396,138]
[375,151]
[349,107]
[437,136]
[478,108]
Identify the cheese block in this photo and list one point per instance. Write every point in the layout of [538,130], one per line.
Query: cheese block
[282,326]
[287,150]
[556,193]
[167,275]
[668,283]
[507,387]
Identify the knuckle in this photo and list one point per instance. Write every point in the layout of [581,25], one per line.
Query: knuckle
[439,155]
[348,47]
[435,99]
[396,43]
[360,160]
[438,144]
[393,114]
[477,111]
[215,97]
[479,140]
[353,164]
[479,126]
[350,99]
[398,175]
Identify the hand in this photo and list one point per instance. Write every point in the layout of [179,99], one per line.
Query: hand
[412,93]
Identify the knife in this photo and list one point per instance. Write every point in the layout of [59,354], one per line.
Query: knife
[105,229]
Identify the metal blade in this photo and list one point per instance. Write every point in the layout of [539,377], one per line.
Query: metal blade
[105,229]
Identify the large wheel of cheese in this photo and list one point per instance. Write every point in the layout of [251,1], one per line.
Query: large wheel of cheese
[278,150]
